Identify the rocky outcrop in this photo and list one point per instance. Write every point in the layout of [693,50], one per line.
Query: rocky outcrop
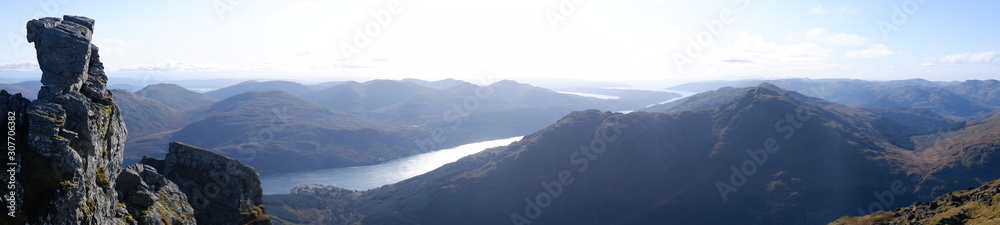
[74,127]
[13,107]
[972,206]
[67,159]
[221,190]
[151,198]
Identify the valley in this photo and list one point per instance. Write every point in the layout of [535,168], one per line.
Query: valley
[348,140]
[354,112]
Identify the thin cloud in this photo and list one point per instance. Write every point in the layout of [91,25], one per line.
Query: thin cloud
[19,66]
[181,66]
[981,57]
[752,53]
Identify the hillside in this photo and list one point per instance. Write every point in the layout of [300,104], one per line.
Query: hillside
[769,156]
[974,206]
[252,85]
[274,131]
[469,113]
[145,115]
[985,91]
[441,84]
[28,89]
[700,101]
[955,159]
[176,97]
[363,97]
[968,100]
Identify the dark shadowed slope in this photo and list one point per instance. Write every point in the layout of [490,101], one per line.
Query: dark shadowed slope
[274,131]
[770,156]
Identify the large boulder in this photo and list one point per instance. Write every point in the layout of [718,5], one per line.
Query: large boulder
[152,199]
[220,189]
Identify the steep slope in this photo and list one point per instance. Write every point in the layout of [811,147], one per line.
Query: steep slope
[773,157]
[288,133]
[144,115]
[176,97]
[469,113]
[252,85]
[898,125]
[985,91]
[955,159]
[701,101]
[974,206]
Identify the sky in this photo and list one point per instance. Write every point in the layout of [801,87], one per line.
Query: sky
[596,40]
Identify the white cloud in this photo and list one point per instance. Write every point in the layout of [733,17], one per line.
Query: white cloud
[875,51]
[981,57]
[753,54]
[19,66]
[818,9]
[181,66]
[111,46]
[820,35]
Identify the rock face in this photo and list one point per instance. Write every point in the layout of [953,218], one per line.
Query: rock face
[221,190]
[69,144]
[74,125]
[152,198]
[13,108]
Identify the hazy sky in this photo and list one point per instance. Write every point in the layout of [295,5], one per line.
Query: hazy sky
[468,39]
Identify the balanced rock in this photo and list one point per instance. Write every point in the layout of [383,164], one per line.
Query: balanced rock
[69,144]
[75,130]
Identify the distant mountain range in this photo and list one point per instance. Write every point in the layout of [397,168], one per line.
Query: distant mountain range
[793,151]
[278,132]
[769,156]
[252,85]
[967,100]
[367,123]
[28,89]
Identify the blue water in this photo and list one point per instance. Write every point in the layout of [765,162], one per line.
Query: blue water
[373,176]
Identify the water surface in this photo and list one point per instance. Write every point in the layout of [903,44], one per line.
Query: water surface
[373,176]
